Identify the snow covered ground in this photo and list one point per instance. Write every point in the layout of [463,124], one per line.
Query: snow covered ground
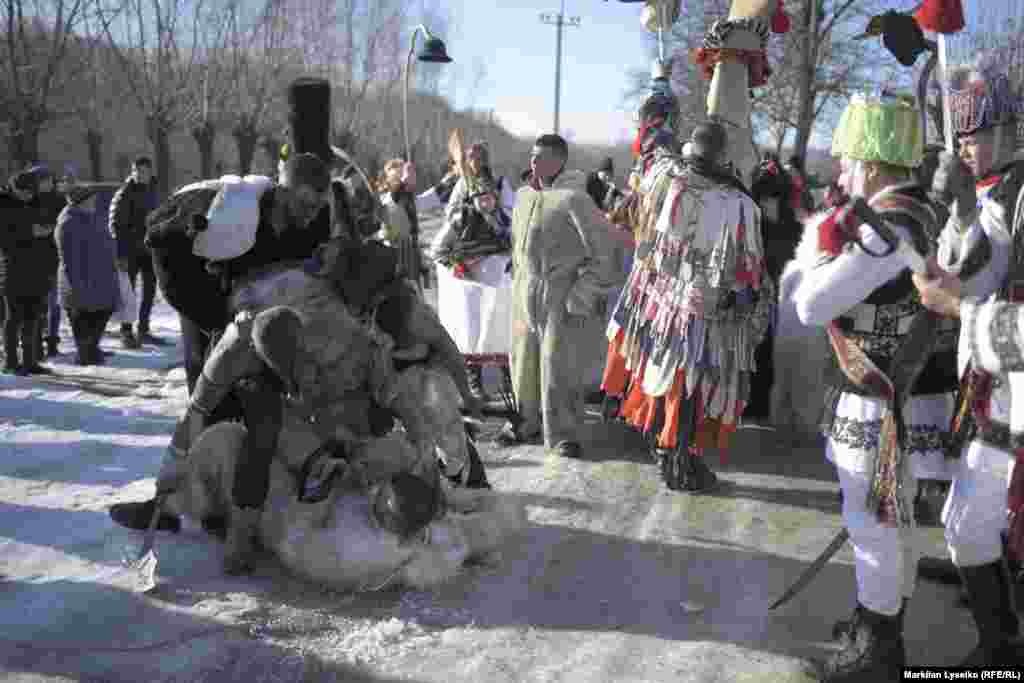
[616,578]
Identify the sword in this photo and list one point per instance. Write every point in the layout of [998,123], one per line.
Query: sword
[838,542]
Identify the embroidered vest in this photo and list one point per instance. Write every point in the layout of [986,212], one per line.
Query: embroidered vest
[879,323]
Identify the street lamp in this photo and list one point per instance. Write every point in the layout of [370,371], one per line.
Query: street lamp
[433,51]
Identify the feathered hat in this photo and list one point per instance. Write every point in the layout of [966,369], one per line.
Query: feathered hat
[981,96]
[880,127]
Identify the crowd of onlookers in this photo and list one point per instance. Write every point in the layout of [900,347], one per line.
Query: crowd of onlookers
[77,248]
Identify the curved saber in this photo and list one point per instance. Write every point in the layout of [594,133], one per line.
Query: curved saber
[838,542]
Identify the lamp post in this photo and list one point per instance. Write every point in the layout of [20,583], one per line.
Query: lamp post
[433,51]
[558,20]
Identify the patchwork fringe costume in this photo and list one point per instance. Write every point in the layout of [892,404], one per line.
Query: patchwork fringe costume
[698,300]
[889,388]
[988,256]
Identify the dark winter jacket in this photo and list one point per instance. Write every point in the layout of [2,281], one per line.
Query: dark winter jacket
[199,290]
[293,244]
[29,261]
[87,277]
[128,211]
[186,283]
[781,228]
[50,206]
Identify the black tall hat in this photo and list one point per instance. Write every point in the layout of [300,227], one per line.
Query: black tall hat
[309,117]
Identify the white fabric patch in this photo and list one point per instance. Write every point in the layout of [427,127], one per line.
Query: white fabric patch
[233,218]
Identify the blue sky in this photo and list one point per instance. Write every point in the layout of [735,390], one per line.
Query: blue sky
[518,52]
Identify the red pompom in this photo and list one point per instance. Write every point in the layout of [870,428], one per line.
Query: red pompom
[835,231]
[780,20]
[941,16]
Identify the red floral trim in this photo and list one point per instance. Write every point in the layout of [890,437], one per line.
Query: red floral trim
[755,60]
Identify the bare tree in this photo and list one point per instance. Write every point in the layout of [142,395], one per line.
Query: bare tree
[812,68]
[159,49]
[38,35]
[102,102]
[257,61]
[209,96]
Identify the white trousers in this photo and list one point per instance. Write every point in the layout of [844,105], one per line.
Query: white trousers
[885,557]
[975,511]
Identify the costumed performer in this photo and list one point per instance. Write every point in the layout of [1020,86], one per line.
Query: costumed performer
[889,388]
[698,301]
[472,251]
[981,256]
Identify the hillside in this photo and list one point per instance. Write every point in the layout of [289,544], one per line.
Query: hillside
[63,144]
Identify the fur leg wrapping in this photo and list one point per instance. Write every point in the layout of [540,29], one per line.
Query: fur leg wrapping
[231,359]
[343,548]
[240,546]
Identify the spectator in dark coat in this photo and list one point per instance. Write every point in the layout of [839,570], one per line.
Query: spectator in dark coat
[29,255]
[187,284]
[50,203]
[128,211]
[601,186]
[87,276]
[774,189]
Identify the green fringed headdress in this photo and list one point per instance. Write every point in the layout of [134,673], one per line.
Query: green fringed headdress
[880,128]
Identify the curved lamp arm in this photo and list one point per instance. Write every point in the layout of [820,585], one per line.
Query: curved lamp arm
[405,90]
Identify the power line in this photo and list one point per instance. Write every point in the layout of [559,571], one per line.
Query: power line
[559,21]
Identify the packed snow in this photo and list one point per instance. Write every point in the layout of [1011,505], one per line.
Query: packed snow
[615,579]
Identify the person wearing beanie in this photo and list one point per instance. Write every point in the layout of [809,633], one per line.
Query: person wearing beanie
[50,204]
[981,259]
[472,256]
[87,276]
[893,372]
[601,186]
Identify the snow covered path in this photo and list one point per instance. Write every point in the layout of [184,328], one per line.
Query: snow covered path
[616,578]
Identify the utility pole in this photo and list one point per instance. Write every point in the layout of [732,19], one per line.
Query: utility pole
[559,20]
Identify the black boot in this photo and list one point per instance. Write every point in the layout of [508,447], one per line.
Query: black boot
[10,351]
[52,347]
[128,338]
[873,651]
[138,515]
[32,352]
[844,629]
[474,375]
[992,607]
[145,337]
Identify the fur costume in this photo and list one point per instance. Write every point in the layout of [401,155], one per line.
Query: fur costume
[340,365]
[335,542]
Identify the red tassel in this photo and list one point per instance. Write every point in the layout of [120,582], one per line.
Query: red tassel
[780,20]
[941,16]
[833,235]
[637,145]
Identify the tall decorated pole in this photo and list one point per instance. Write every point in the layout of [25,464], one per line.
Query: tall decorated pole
[733,55]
